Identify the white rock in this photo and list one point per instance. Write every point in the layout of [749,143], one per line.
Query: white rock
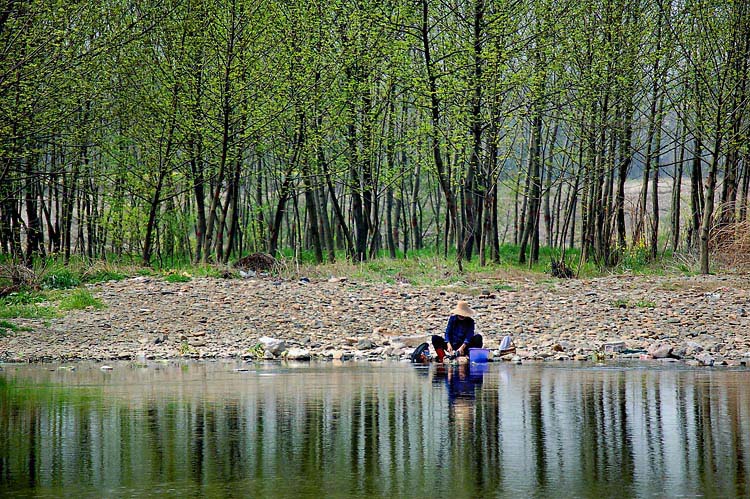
[297,354]
[273,345]
[705,359]
[660,350]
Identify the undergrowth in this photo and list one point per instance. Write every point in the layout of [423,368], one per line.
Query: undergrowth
[80,299]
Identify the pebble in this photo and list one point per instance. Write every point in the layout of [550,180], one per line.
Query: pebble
[220,318]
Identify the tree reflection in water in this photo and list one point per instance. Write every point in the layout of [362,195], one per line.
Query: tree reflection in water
[363,430]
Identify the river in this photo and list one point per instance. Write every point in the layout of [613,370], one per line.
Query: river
[359,430]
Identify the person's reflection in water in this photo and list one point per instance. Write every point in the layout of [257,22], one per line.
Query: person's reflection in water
[462,382]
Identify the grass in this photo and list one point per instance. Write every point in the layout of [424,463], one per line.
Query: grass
[32,311]
[177,278]
[186,349]
[41,304]
[425,267]
[80,299]
[105,276]
[428,267]
[25,305]
[60,279]
[7,327]
[621,303]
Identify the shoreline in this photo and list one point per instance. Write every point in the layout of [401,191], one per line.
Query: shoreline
[702,320]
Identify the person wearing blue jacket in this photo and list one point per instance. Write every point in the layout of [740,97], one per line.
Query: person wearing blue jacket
[459,334]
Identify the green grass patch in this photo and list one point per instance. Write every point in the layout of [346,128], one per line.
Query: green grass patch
[7,327]
[23,298]
[60,279]
[177,278]
[622,303]
[186,349]
[26,305]
[32,311]
[80,299]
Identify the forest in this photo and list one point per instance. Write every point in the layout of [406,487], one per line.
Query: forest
[361,128]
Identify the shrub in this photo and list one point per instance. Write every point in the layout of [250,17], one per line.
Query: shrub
[60,279]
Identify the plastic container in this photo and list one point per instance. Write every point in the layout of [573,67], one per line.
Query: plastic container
[479,355]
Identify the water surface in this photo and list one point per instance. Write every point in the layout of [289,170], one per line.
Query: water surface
[361,430]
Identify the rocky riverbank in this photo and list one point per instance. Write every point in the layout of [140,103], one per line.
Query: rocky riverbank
[702,320]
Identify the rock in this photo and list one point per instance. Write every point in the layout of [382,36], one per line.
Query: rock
[713,297]
[660,350]
[297,354]
[516,359]
[557,348]
[364,344]
[106,368]
[338,355]
[273,345]
[268,355]
[694,346]
[159,339]
[410,341]
[705,359]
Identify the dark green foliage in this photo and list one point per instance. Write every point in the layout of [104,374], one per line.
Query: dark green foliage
[60,279]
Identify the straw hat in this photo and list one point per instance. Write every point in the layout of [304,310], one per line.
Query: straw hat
[463,309]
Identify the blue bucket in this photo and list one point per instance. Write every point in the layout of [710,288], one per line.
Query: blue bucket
[479,355]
